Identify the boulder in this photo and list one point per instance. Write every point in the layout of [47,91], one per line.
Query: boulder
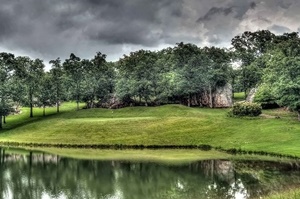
[251,95]
[222,97]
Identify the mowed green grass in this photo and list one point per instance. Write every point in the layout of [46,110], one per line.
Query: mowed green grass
[239,96]
[163,125]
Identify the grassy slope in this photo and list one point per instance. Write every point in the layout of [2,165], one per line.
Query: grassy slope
[165,125]
[291,194]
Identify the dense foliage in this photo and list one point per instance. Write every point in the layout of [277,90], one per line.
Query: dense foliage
[246,109]
[181,74]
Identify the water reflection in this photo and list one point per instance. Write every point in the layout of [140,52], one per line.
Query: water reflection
[50,176]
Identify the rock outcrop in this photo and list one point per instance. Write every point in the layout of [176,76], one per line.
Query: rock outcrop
[222,97]
[251,95]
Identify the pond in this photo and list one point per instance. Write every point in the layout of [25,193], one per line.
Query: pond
[38,175]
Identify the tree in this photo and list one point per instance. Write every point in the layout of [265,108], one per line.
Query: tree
[6,73]
[248,48]
[136,74]
[47,95]
[189,71]
[74,70]
[99,79]
[283,72]
[30,73]
[218,71]
[57,78]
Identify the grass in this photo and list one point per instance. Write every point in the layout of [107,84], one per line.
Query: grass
[239,96]
[166,156]
[164,125]
[291,194]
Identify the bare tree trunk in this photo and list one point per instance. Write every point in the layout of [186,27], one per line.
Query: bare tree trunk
[57,99]
[298,112]
[57,106]
[189,100]
[31,104]
[210,97]
[44,110]
[4,119]
[0,121]
[31,109]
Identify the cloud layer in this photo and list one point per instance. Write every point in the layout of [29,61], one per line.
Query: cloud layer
[51,28]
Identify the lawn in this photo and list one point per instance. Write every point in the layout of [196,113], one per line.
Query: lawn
[163,125]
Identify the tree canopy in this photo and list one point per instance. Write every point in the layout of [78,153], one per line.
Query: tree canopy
[179,74]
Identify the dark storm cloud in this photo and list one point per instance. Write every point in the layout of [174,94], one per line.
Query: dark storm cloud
[215,11]
[54,28]
[49,27]
[253,5]
[5,24]
[237,9]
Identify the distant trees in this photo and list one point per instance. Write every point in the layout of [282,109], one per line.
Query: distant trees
[137,76]
[74,71]
[282,75]
[99,77]
[249,49]
[6,67]
[179,74]
[57,77]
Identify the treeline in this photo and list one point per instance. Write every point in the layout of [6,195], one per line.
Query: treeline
[142,78]
[180,74]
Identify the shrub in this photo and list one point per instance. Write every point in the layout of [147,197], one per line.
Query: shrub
[265,97]
[246,109]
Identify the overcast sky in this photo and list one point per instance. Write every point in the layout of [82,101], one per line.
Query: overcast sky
[48,29]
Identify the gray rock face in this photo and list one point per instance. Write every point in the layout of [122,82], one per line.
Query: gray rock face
[223,97]
[251,95]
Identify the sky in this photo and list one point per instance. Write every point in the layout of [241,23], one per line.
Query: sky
[48,29]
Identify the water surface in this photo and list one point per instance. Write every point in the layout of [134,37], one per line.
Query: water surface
[38,175]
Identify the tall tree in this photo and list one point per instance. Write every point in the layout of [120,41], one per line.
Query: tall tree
[136,75]
[6,73]
[30,72]
[248,48]
[282,75]
[57,77]
[188,75]
[217,69]
[74,70]
[99,80]
[47,95]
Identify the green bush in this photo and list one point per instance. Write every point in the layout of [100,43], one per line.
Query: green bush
[246,109]
[265,97]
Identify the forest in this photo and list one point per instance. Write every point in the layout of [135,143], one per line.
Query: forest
[179,74]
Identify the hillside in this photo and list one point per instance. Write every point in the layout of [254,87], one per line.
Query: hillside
[163,125]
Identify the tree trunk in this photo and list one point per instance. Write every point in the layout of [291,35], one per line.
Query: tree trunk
[57,106]
[233,82]
[0,121]
[4,119]
[44,110]
[298,112]
[1,158]
[189,100]
[57,98]
[31,104]
[210,98]
[31,109]
[77,105]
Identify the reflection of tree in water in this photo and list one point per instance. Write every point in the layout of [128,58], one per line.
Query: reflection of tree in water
[36,174]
